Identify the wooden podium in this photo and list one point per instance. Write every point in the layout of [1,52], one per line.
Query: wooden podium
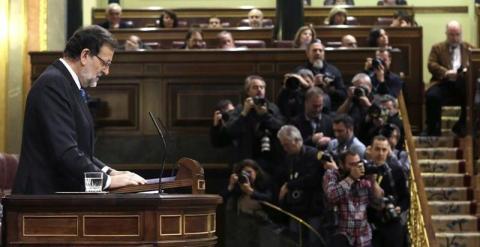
[115,219]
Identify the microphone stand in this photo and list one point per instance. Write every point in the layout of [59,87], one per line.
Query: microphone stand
[162,168]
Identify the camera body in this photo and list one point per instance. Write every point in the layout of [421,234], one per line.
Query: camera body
[360,92]
[389,212]
[376,62]
[243,177]
[371,168]
[292,83]
[225,116]
[259,101]
[324,157]
[328,78]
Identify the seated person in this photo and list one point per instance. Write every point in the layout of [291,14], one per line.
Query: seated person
[214,22]
[391,2]
[255,18]
[384,81]
[327,76]
[134,43]
[337,16]
[254,125]
[304,36]
[359,98]
[378,38]
[113,14]
[349,41]
[194,40]
[245,216]
[225,40]
[168,19]
[402,19]
[316,128]
[338,2]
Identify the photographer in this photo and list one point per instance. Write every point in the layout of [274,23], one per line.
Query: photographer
[351,192]
[344,137]
[392,133]
[245,216]
[359,98]
[316,127]
[377,117]
[383,80]
[254,125]
[291,97]
[301,192]
[218,133]
[327,76]
[390,222]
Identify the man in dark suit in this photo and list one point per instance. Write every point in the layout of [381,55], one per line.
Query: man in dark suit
[58,133]
[447,62]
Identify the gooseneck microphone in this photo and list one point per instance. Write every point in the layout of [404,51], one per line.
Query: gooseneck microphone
[162,168]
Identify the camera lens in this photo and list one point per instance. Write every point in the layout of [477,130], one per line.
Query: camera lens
[259,101]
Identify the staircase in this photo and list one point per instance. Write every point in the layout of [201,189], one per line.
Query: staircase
[451,198]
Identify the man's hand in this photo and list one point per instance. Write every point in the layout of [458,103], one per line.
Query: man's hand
[368,63]
[246,188]
[125,178]
[283,192]
[247,106]
[364,101]
[451,75]
[261,109]
[217,118]
[232,181]
[330,165]
[380,73]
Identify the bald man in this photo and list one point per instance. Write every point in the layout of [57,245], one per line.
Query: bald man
[113,14]
[447,62]
[349,41]
[255,18]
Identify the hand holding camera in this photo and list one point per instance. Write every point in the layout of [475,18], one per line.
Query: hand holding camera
[232,181]
[294,82]
[260,105]
[248,104]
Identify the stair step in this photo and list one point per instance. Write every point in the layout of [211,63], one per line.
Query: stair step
[442,166]
[464,239]
[455,223]
[451,111]
[439,153]
[445,179]
[449,194]
[435,141]
[450,207]
[448,122]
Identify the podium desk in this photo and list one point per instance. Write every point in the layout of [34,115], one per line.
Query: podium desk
[110,220]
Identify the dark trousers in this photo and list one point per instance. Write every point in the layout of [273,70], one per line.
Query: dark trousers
[339,240]
[383,234]
[438,95]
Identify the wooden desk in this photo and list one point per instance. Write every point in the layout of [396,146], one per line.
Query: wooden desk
[111,220]
[366,15]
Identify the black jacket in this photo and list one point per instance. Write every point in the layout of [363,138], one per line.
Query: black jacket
[306,128]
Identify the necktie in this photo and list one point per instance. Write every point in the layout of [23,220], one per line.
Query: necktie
[84,95]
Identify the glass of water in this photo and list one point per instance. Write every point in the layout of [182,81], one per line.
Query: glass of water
[93,181]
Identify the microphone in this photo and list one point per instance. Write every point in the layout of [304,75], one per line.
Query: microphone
[162,168]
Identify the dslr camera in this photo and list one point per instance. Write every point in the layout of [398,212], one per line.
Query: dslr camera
[389,213]
[360,92]
[259,101]
[292,83]
[328,78]
[324,157]
[376,62]
[371,168]
[243,177]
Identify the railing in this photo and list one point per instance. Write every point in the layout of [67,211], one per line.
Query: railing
[471,140]
[419,222]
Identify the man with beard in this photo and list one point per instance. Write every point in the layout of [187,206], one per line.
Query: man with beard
[254,125]
[448,62]
[327,76]
[57,144]
[344,137]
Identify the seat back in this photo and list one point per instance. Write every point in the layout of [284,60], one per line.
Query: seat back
[283,43]
[8,169]
[384,21]
[352,20]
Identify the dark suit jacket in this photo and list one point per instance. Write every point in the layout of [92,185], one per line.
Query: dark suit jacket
[439,60]
[58,136]
[307,130]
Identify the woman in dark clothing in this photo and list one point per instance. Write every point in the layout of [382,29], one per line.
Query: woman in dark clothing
[168,19]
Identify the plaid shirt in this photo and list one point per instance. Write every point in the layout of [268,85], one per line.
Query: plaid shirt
[352,201]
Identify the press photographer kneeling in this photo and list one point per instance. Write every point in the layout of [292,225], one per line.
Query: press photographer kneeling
[389,222]
[248,185]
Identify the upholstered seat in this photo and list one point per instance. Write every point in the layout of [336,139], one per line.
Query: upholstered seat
[250,43]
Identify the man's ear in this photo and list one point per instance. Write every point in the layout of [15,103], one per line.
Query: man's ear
[84,56]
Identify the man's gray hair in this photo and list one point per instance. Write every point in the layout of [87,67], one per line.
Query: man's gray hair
[290,132]
[361,76]
[387,97]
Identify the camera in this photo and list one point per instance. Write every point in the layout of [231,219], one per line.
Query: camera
[243,177]
[376,62]
[259,101]
[225,116]
[292,83]
[389,213]
[324,157]
[328,78]
[371,168]
[360,92]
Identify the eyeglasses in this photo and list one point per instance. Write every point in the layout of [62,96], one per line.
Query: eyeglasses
[104,63]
